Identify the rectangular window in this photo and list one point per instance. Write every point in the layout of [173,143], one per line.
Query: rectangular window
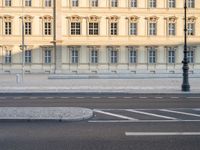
[28,28]
[47,28]
[75,3]
[8,56]
[190,55]
[191,29]
[114,3]
[94,3]
[171,55]
[171,3]
[152,4]
[132,55]
[28,3]
[93,28]
[8,3]
[47,56]
[74,55]
[133,3]
[48,3]
[8,28]
[94,56]
[152,29]
[152,55]
[113,28]
[28,56]
[191,4]
[172,29]
[75,28]
[113,56]
[133,28]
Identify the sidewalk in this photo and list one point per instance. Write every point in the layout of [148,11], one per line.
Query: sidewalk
[41,83]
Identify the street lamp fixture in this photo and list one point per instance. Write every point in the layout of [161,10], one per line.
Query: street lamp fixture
[185,84]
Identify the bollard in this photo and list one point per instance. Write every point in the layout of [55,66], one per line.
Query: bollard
[18,78]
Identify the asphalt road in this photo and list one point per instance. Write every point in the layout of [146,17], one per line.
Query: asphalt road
[120,122]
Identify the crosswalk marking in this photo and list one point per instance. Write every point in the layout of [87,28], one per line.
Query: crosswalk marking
[115,115]
[179,112]
[151,114]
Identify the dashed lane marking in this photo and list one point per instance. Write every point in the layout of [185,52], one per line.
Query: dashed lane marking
[180,112]
[96,97]
[162,133]
[115,115]
[33,97]
[143,97]
[127,97]
[49,97]
[64,97]
[158,97]
[151,114]
[193,97]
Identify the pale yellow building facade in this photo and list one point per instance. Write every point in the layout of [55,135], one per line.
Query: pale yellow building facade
[99,36]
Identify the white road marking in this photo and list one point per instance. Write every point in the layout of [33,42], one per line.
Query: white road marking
[80,97]
[64,97]
[17,97]
[115,115]
[140,121]
[197,109]
[111,97]
[127,97]
[33,97]
[48,97]
[193,97]
[142,97]
[161,133]
[174,97]
[96,97]
[151,114]
[180,112]
[158,97]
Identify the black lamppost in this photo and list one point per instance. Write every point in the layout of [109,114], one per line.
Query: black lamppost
[185,84]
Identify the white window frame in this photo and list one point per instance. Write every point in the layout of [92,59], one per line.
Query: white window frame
[171,3]
[28,28]
[132,55]
[8,57]
[114,3]
[93,28]
[191,29]
[75,28]
[152,55]
[74,55]
[28,3]
[28,56]
[152,29]
[133,3]
[171,28]
[171,53]
[113,28]
[191,55]
[191,3]
[8,27]
[94,3]
[47,56]
[48,3]
[75,3]
[8,3]
[152,3]
[94,55]
[113,55]
[133,28]
[47,28]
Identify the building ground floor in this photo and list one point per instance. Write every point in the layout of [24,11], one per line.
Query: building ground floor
[80,59]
